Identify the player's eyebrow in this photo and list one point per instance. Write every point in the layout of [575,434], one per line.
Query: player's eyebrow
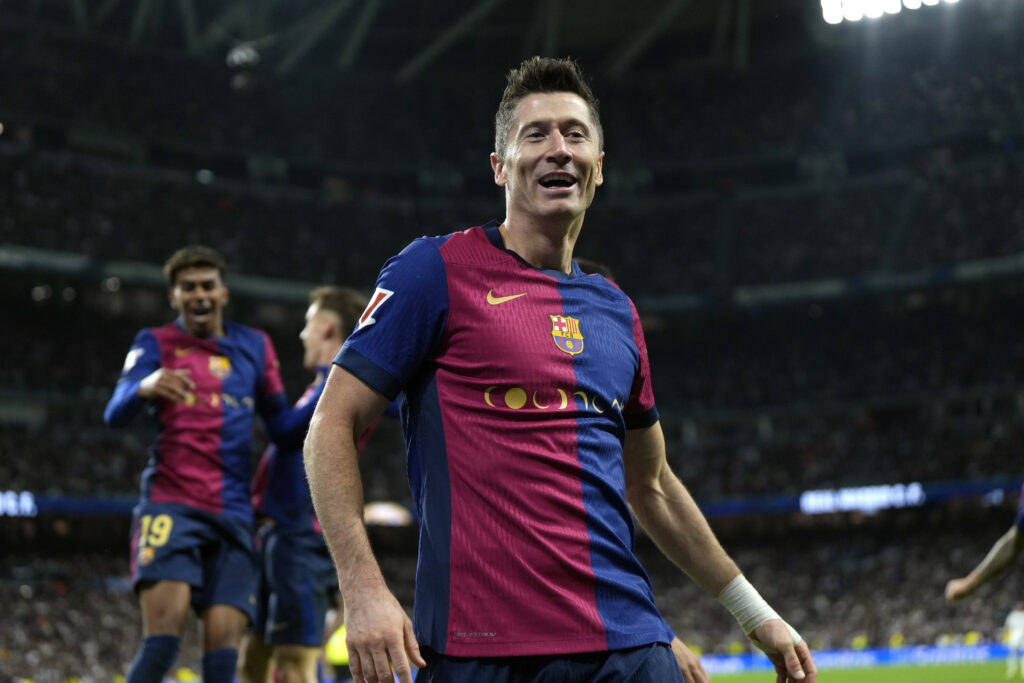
[205,282]
[547,123]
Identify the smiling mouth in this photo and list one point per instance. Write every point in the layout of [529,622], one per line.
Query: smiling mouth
[557,181]
[200,312]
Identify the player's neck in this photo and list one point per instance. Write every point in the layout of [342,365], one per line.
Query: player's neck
[543,243]
[327,355]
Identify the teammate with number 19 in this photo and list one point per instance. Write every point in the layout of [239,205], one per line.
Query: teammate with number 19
[531,433]
[204,380]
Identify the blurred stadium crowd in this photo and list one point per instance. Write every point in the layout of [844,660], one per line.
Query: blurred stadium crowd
[790,172]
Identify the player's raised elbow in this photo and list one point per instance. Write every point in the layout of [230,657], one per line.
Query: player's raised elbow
[119,410]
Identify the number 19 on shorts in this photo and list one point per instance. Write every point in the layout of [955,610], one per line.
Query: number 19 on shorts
[154,530]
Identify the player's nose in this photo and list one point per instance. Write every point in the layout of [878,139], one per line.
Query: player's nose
[558,149]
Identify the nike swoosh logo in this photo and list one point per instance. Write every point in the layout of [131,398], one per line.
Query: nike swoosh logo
[181,353]
[495,300]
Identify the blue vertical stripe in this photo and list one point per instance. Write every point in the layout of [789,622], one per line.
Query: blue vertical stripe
[604,373]
[431,489]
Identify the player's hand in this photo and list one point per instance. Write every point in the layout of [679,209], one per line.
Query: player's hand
[689,663]
[168,384]
[957,589]
[379,637]
[787,651]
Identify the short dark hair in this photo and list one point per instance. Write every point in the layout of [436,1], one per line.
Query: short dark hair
[592,267]
[193,256]
[347,304]
[541,75]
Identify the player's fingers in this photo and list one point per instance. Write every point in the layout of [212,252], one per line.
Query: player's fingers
[696,674]
[412,647]
[183,374]
[793,666]
[355,665]
[170,391]
[381,670]
[400,665]
[807,662]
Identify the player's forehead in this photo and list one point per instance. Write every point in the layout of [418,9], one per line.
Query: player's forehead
[197,275]
[553,107]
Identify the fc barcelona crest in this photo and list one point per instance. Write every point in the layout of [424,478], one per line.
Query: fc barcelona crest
[220,366]
[566,333]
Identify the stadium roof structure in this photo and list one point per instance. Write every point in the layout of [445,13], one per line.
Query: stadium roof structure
[407,39]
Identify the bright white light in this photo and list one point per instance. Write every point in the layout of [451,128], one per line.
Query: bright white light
[853,10]
[832,11]
[873,8]
[833,16]
[837,11]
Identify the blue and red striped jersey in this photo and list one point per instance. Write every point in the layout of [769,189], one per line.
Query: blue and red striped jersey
[520,385]
[279,488]
[201,456]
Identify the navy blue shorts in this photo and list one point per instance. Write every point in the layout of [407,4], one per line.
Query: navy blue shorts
[297,586]
[653,663]
[212,553]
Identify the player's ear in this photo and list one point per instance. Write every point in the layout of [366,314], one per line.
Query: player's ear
[599,180]
[498,166]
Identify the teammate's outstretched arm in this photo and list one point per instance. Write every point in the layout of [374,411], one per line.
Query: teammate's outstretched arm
[999,558]
[379,633]
[670,516]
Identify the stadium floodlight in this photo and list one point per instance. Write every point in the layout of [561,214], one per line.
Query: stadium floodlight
[838,11]
[853,10]
[832,14]
[873,9]
[832,11]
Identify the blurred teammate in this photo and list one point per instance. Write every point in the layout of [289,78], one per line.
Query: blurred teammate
[203,380]
[1002,554]
[298,583]
[1014,626]
[530,424]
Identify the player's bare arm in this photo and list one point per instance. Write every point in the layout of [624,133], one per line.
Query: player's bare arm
[379,633]
[168,384]
[999,558]
[667,512]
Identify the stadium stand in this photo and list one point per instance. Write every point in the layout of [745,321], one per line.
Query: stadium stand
[809,166]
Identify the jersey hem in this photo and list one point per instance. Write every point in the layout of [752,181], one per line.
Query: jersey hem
[566,646]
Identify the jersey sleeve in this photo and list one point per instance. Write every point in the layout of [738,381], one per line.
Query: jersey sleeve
[640,410]
[286,425]
[271,379]
[142,360]
[403,322]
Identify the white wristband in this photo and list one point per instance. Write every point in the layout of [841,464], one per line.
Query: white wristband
[746,604]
